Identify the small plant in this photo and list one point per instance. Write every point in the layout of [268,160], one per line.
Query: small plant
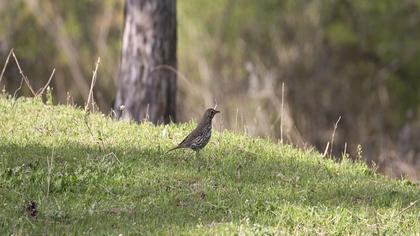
[49,96]
[359,153]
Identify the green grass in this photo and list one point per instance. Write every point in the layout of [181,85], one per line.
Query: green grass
[113,178]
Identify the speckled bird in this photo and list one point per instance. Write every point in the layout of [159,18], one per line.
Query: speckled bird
[201,135]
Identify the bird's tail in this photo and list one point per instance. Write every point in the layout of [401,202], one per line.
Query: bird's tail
[177,147]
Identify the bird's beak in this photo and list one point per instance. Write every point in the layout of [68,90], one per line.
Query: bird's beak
[216,111]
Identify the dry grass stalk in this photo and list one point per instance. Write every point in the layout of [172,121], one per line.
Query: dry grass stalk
[92,84]
[333,135]
[281,112]
[345,149]
[18,89]
[23,75]
[41,91]
[5,64]
[412,204]
[326,149]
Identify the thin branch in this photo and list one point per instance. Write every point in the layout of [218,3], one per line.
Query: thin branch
[112,155]
[23,75]
[326,149]
[412,204]
[345,149]
[90,96]
[19,88]
[147,118]
[5,64]
[281,112]
[41,91]
[333,135]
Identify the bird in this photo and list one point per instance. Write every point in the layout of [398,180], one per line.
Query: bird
[200,136]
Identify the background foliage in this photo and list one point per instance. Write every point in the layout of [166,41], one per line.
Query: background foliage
[354,59]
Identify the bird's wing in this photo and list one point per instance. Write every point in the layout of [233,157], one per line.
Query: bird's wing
[189,137]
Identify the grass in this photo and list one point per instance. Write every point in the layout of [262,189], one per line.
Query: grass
[88,174]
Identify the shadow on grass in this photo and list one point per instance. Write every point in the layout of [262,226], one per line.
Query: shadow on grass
[144,189]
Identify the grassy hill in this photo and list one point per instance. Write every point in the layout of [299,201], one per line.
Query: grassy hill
[64,172]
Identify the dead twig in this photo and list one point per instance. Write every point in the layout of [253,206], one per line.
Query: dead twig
[23,75]
[90,96]
[41,90]
[326,149]
[412,204]
[345,148]
[19,88]
[281,112]
[112,155]
[5,64]
[333,135]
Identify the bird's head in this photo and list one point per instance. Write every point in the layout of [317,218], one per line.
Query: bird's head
[210,113]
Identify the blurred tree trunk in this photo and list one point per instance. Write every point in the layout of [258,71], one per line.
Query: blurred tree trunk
[147,88]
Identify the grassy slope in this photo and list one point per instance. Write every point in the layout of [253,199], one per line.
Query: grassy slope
[115,179]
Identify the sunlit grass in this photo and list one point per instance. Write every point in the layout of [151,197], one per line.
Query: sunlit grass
[90,174]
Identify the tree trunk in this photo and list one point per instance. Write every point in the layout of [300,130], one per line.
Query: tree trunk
[146,89]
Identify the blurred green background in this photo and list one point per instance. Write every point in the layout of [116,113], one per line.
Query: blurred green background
[356,59]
